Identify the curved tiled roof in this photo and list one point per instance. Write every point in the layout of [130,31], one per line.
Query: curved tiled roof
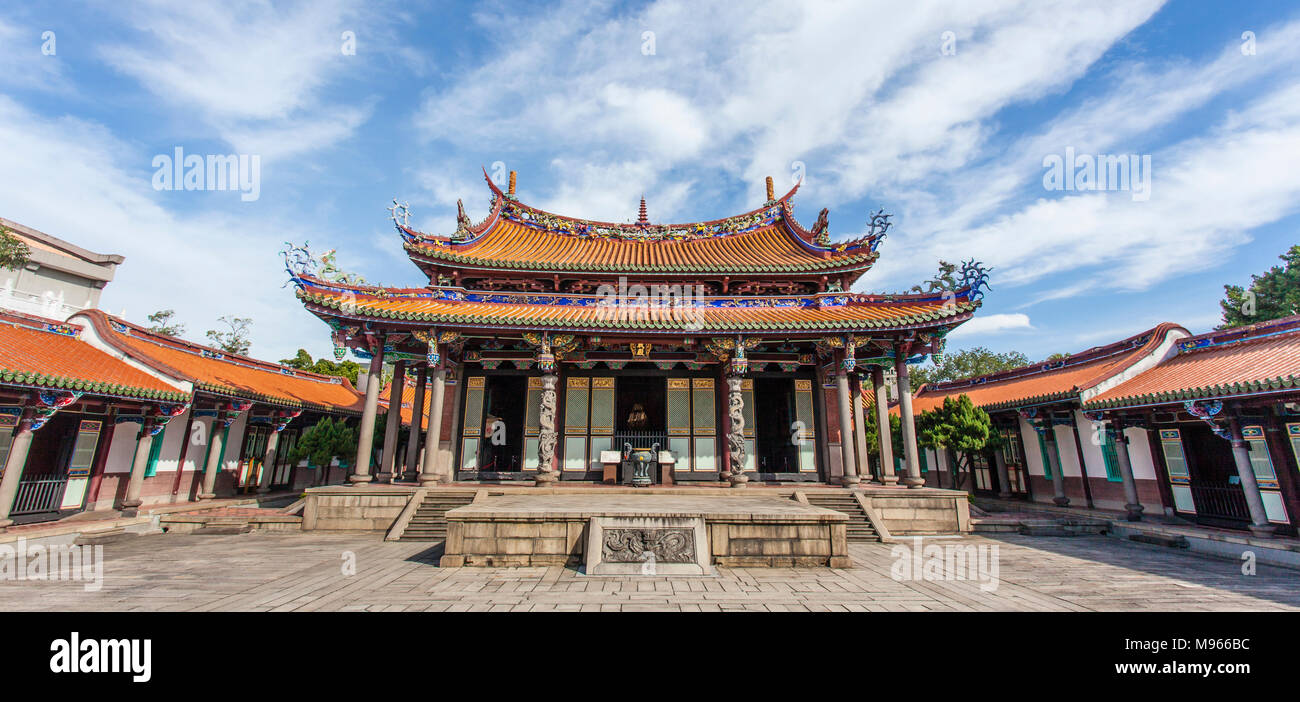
[1260,359]
[1047,382]
[227,374]
[515,236]
[44,354]
[811,313]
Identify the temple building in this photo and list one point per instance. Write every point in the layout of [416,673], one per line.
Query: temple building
[1204,428]
[549,346]
[98,414]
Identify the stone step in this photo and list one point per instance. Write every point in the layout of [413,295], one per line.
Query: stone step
[104,536]
[222,529]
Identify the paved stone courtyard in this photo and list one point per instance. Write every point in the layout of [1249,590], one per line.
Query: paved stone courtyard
[305,572]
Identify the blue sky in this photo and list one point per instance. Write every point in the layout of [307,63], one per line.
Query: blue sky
[877,101]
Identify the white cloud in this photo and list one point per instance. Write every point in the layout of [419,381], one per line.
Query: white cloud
[991,323]
[66,177]
[252,71]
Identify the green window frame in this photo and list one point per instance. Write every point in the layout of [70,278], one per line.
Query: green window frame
[925,464]
[155,450]
[1042,450]
[1110,455]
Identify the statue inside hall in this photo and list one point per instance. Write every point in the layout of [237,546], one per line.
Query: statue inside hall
[637,418]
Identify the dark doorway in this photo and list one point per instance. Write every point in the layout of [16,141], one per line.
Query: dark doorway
[502,447]
[45,476]
[774,415]
[1216,487]
[642,405]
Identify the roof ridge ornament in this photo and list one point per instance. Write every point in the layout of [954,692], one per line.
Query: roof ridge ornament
[402,210]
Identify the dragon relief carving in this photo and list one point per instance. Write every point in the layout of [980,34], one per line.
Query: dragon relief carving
[736,437]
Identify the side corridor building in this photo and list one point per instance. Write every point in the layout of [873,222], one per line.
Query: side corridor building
[1203,427]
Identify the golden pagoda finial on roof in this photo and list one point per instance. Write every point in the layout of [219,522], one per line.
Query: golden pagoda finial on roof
[771,193]
[511,190]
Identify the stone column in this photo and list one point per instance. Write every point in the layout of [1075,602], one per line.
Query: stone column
[374,376]
[219,432]
[736,432]
[859,429]
[14,464]
[1054,458]
[433,435]
[850,477]
[1259,525]
[412,472]
[144,442]
[906,420]
[393,425]
[1132,505]
[883,434]
[268,462]
[1004,477]
[547,437]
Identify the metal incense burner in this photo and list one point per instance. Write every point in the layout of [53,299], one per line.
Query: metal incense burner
[641,458]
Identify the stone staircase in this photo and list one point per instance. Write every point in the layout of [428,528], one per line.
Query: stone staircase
[860,527]
[429,522]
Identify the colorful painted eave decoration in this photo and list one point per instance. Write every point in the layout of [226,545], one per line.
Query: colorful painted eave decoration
[270,399]
[1253,387]
[518,316]
[41,380]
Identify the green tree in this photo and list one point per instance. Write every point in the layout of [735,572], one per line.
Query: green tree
[321,443]
[961,428]
[342,369]
[161,322]
[1273,294]
[235,340]
[13,251]
[873,436]
[967,363]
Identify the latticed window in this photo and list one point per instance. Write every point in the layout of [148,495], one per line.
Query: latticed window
[1110,454]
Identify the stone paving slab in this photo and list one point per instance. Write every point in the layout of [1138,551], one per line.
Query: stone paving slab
[308,572]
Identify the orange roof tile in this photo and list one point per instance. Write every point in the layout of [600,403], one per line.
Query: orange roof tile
[1260,359]
[227,374]
[41,353]
[515,236]
[1046,382]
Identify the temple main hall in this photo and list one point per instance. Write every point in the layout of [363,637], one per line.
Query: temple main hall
[549,349]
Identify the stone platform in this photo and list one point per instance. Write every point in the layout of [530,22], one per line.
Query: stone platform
[553,529]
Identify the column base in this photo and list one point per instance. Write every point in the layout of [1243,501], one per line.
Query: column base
[428,480]
[850,480]
[914,482]
[263,490]
[1134,512]
[738,480]
[546,477]
[1061,501]
[889,480]
[1004,495]
[131,508]
[205,496]
[1264,531]
[360,479]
